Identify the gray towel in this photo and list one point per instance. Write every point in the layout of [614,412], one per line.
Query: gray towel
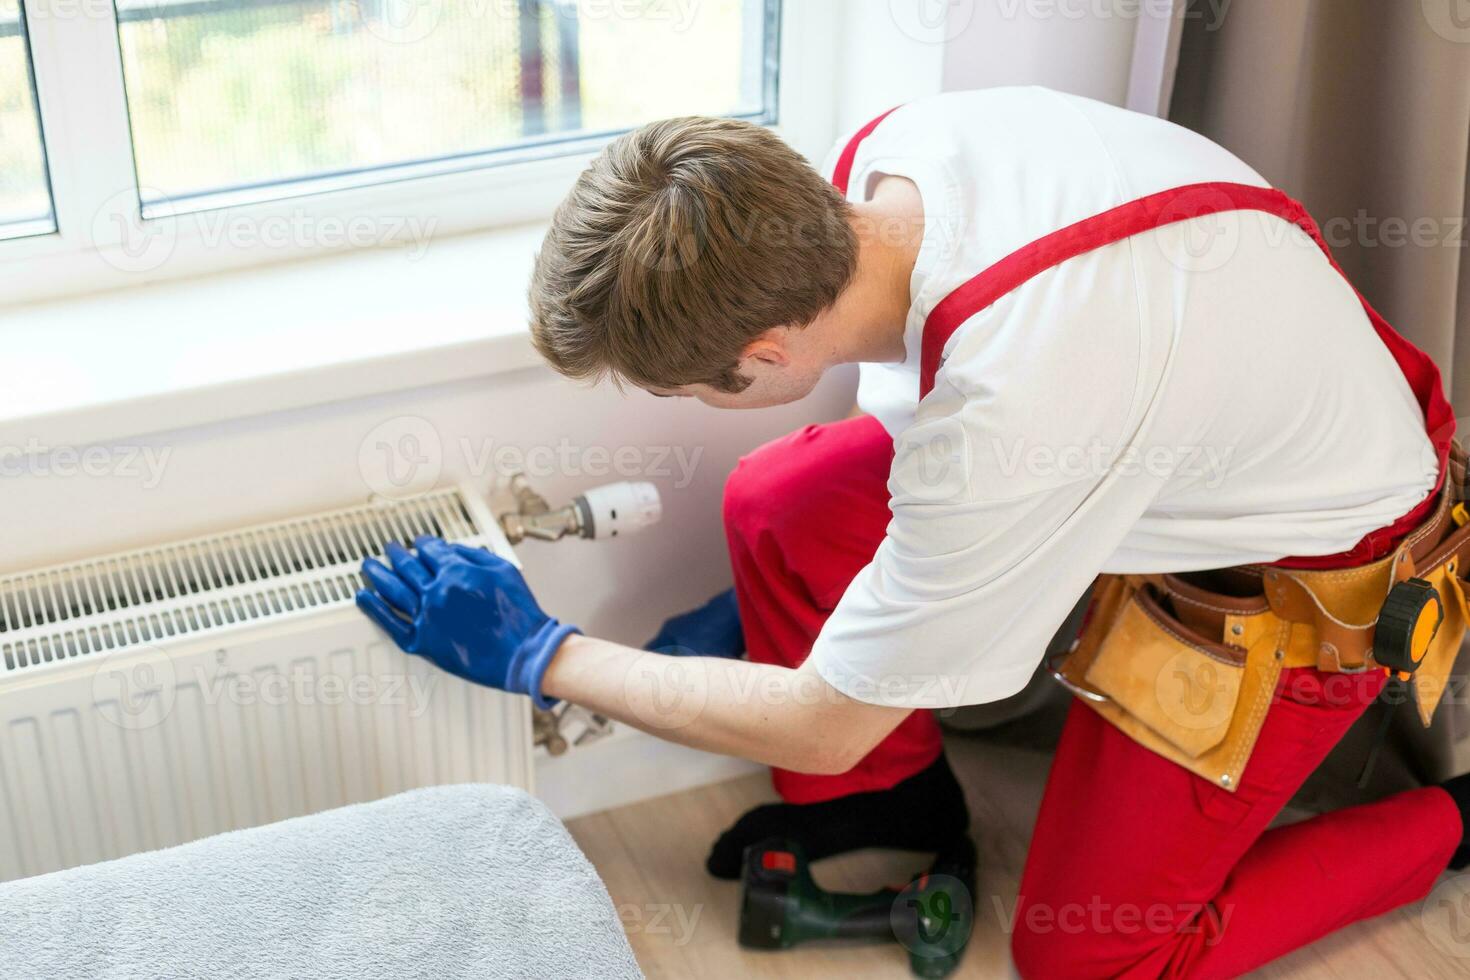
[453,881]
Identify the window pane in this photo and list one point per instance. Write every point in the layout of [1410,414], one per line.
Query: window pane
[226,95]
[25,193]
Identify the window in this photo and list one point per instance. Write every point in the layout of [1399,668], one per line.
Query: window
[143,140]
[25,192]
[241,100]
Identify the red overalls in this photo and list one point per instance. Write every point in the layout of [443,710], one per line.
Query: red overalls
[1137,867]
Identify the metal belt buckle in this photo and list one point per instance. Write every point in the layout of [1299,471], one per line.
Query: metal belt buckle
[1053,667]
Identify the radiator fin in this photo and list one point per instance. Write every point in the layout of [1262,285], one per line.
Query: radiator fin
[191,587]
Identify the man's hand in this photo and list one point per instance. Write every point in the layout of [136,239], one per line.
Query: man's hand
[468,611]
[712,630]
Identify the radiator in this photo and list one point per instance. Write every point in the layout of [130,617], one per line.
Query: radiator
[152,697]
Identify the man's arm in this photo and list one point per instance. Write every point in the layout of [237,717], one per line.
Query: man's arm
[471,612]
[792,719]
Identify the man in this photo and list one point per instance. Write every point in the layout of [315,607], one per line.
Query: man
[1090,342]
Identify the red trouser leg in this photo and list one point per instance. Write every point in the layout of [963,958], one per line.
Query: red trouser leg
[1139,868]
[804,515]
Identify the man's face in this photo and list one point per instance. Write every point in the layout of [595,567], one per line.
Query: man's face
[755,396]
[779,370]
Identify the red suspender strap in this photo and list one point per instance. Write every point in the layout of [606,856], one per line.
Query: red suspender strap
[1156,211]
[842,173]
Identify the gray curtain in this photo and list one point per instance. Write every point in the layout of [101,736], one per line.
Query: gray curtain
[1361,110]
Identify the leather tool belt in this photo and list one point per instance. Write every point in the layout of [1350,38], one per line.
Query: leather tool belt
[1187,665]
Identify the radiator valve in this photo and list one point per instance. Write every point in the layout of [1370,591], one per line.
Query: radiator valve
[600,513]
[567,725]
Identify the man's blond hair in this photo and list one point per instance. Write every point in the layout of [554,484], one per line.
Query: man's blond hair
[681,243]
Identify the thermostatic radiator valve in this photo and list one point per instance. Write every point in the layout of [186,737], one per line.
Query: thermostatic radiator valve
[600,513]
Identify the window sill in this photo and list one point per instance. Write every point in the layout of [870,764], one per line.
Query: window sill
[180,354]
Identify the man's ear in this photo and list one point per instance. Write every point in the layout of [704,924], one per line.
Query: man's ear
[768,349]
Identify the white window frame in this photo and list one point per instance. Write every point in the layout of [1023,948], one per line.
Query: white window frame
[1156,58]
[100,230]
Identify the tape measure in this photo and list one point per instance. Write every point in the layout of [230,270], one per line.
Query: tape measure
[1407,625]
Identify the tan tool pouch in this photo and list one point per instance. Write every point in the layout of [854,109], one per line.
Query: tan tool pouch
[1187,666]
[1195,701]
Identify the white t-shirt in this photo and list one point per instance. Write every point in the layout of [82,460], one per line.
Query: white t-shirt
[1204,395]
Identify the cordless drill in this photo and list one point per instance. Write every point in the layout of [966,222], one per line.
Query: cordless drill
[932,916]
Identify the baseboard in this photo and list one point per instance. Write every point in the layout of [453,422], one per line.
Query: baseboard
[626,767]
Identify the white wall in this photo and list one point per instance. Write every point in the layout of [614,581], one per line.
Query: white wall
[893,51]
[889,53]
[1079,46]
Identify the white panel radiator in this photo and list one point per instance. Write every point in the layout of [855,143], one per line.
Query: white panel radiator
[161,695]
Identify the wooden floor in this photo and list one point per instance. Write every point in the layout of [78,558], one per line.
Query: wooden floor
[681,922]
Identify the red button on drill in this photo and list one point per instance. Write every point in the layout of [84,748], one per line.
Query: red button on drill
[779,861]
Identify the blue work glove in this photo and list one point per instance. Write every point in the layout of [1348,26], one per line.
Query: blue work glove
[468,611]
[712,630]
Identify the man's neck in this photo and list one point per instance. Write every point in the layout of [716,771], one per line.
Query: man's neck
[871,314]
